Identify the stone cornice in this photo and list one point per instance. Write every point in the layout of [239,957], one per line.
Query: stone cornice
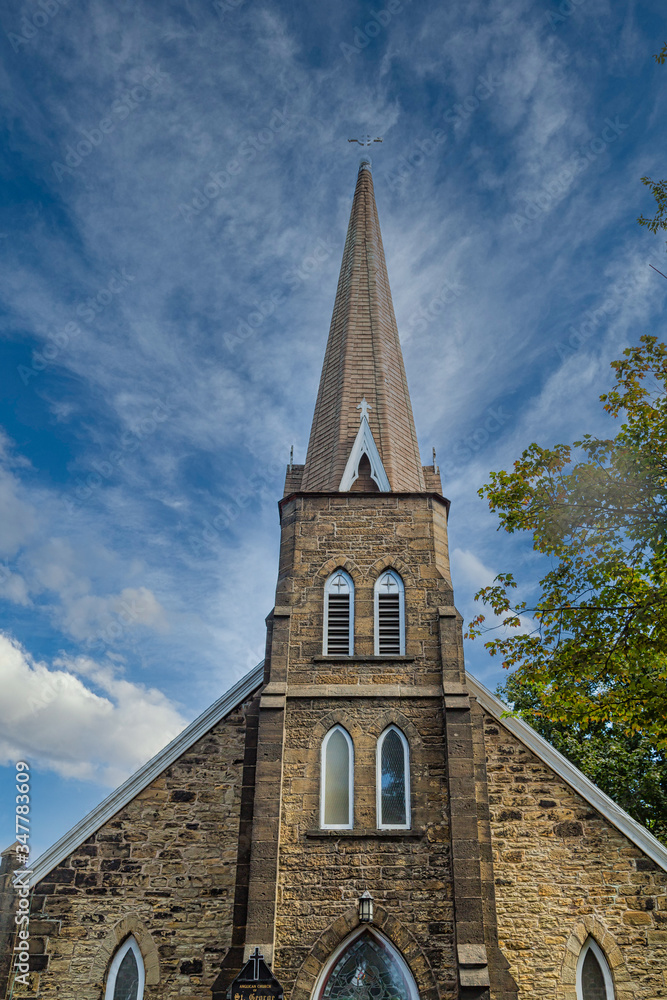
[361,496]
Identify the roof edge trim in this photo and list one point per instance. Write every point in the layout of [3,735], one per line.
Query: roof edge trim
[136,783]
[364,444]
[612,812]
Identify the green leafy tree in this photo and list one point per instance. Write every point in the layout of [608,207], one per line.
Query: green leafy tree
[628,768]
[658,188]
[593,646]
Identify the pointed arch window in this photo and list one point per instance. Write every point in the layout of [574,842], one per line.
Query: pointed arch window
[389,615]
[393,780]
[594,980]
[126,973]
[339,615]
[337,781]
[367,967]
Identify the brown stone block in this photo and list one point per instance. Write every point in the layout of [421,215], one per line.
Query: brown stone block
[637,918]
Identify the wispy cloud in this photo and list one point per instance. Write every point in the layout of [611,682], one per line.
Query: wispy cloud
[161,361]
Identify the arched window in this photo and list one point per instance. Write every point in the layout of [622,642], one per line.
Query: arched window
[393,780]
[339,614]
[594,980]
[366,967]
[389,614]
[337,785]
[126,973]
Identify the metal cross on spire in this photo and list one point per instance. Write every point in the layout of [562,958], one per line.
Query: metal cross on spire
[366,140]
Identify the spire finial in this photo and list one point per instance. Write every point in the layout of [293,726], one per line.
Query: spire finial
[366,140]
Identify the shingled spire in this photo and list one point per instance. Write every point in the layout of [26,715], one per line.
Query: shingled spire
[363,361]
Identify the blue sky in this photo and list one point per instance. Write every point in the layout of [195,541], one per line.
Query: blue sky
[176,185]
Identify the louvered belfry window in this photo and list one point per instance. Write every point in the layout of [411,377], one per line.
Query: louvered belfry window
[339,615]
[389,615]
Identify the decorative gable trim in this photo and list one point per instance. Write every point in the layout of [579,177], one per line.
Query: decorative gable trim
[364,444]
[612,812]
[136,783]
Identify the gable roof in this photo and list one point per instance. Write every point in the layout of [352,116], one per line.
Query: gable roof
[237,694]
[612,812]
[136,783]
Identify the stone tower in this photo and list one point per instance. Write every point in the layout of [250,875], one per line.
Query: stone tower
[361,507]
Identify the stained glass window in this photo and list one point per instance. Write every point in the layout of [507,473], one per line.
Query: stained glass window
[594,978]
[393,780]
[337,779]
[367,971]
[126,973]
[127,980]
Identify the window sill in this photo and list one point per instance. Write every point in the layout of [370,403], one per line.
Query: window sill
[366,834]
[393,657]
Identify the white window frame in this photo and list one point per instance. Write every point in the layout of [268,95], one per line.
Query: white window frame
[401,611]
[378,782]
[129,944]
[350,780]
[327,592]
[592,945]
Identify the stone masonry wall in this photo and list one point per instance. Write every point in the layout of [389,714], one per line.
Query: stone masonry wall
[562,873]
[364,534]
[163,868]
[322,873]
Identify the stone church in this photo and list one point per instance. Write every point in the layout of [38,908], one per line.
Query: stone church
[356,809]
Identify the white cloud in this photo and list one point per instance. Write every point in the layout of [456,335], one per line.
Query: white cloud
[48,715]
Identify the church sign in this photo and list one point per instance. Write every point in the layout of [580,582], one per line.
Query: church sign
[255,981]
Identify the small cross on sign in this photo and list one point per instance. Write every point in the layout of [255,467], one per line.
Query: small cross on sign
[389,583]
[256,956]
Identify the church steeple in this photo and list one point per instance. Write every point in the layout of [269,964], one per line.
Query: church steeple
[363,370]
